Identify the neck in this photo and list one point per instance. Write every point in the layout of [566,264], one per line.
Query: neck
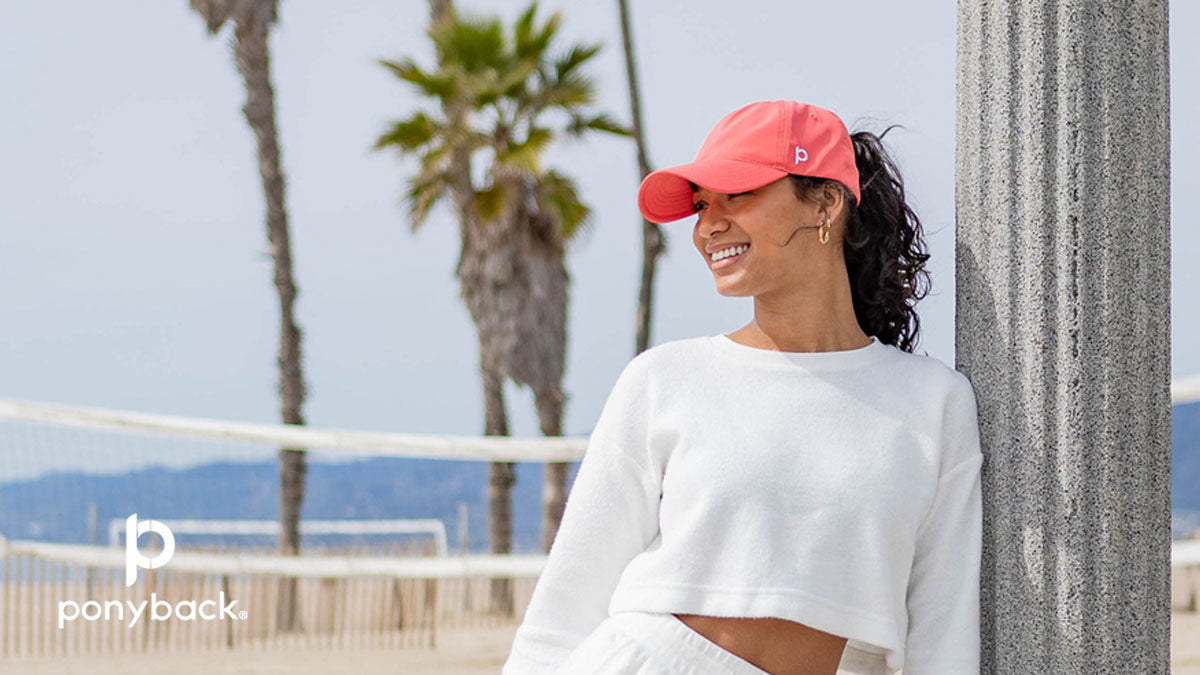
[813,317]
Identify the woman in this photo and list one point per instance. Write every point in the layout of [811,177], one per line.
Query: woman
[800,496]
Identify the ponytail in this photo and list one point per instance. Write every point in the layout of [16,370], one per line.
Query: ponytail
[883,245]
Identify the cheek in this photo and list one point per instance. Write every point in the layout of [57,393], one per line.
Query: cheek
[783,223]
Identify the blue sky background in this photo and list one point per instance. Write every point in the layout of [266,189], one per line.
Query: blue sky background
[134,271]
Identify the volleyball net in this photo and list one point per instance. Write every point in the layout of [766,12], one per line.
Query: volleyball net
[393,529]
[70,474]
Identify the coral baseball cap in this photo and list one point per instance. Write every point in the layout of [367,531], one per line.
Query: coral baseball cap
[750,147]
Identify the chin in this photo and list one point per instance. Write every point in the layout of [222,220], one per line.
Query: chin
[731,293]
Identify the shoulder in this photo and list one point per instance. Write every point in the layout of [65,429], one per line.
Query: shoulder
[930,375]
[666,357]
[658,369]
[952,408]
[638,378]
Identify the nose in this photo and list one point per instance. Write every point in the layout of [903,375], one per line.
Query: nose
[711,219]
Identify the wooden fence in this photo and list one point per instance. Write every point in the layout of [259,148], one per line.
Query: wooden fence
[335,612]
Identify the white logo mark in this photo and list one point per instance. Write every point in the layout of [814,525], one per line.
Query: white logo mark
[801,155]
[134,558]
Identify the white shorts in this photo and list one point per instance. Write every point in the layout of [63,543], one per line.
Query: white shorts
[651,643]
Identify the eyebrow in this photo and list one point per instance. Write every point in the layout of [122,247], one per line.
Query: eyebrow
[696,188]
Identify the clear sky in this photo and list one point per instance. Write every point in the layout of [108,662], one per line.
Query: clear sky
[134,272]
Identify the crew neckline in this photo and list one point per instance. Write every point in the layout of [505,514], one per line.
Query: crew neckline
[830,360]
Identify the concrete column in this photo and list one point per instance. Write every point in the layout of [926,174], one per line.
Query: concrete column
[1063,326]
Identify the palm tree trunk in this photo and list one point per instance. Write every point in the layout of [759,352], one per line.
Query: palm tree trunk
[253,61]
[438,9]
[499,488]
[554,485]
[653,243]
[501,475]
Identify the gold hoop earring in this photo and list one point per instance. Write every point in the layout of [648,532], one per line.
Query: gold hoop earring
[823,234]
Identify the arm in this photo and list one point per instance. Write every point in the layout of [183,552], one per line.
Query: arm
[611,515]
[943,587]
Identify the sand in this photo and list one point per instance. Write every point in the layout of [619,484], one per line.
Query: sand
[469,651]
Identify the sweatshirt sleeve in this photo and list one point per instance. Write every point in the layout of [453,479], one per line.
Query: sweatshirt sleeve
[610,516]
[943,587]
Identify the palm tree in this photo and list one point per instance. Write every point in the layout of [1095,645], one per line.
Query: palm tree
[497,90]
[653,243]
[252,21]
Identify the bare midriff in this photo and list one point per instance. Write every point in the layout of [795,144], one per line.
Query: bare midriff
[778,646]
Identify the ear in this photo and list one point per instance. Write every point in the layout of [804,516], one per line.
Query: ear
[835,200]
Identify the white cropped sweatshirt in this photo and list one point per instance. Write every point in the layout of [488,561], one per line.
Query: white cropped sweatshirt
[837,489]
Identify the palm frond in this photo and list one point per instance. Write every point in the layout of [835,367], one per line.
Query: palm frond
[464,137]
[575,57]
[538,44]
[575,89]
[527,154]
[472,42]
[410,134]
[602,122]
[424,191]
[437,84]
[495,83]
[512,83]
[490,202]
[557,195]
[482,88]
[435,158]
[523,31]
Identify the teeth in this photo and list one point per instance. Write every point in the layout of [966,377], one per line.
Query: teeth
[725,253]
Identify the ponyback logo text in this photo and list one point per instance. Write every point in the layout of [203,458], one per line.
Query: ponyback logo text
[153,608]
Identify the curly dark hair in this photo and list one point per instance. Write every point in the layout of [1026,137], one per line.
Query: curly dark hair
[883,245]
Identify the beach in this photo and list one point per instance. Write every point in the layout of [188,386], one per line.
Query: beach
[472,651]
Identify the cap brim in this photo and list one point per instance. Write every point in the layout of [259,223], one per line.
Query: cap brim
[665,195]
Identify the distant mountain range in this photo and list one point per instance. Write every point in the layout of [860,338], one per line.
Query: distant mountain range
[1185,469]
[54,507]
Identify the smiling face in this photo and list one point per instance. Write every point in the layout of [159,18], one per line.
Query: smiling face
[773,226]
